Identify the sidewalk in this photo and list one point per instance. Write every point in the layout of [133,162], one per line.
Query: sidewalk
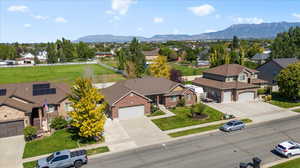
[294,108]
[84,147]
[167,112]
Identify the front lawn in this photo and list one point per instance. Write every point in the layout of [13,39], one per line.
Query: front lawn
[58,73]
[183,118]
[187,70]
[29,164]
[289,164]
[201,129]
[156,113]
[280,101]
[59,140]
[297,110]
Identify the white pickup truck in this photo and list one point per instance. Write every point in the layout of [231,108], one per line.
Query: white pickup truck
[63,159]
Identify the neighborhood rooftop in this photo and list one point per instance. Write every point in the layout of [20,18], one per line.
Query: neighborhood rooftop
[284,62]
[229,70]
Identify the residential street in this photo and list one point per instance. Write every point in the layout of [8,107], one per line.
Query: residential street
[216,150]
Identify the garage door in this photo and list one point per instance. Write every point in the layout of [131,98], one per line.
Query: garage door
[11,128]
[131,112]
[246,96]
[227,96]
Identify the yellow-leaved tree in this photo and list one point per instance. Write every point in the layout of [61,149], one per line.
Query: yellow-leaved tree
[160,67]
[88,113]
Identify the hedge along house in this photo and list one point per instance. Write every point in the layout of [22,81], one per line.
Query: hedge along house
[230,82]
[133,98]
[33,104]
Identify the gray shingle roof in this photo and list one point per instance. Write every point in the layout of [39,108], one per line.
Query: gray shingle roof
[261,56]
[284,62]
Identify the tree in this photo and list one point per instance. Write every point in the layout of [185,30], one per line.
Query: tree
[219,55]
[121,56]
[176,75]
[171,54]
[52,56]
[130,69]
[160,67]
[289,81]
[254,49]
[235,43]
[136,56]
[89,109]
[287,44]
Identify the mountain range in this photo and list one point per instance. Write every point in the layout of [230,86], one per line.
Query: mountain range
[244,31]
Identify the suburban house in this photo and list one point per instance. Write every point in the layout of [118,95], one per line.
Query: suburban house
[269,70]
[260,58]
[33,104]
[151,55]
[28,58]
[133,97]
[104,54]
[230,82]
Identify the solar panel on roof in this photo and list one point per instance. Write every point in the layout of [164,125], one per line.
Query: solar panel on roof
[47,91]
[41,86]
[2,92]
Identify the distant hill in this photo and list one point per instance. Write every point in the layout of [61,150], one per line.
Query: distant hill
[246,31]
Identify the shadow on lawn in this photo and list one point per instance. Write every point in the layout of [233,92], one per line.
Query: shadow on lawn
[82,140]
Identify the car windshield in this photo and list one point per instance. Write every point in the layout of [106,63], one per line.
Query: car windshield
[50,158]
[230,123]
[282,147]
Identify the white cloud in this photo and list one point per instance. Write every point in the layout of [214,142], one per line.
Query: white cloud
[109,12]
[297,15]
[253,20]
[27,25]
[60,20]
[209,30]
[121,6]
[18,8]
[218,16]
[202,10]
[158,20]
[39,17]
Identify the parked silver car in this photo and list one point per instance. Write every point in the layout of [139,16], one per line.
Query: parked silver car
[288,148]
[233,126]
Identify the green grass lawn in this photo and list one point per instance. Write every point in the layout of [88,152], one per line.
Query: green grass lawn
[201,129]
[183,119]
[59,140]
[187,70]
[93,151]
[278,100]
[64,73]
[297,110]
[156,113]
[289,164]
[110,62]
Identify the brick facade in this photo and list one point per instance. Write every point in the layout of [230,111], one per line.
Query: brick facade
[130,100]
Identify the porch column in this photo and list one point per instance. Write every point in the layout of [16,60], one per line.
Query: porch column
[157,99]
[41,117]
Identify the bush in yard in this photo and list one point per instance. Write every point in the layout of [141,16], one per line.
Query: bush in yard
[181,102]
[30,133]
[268,98]
[154,108]
[261,91]
[198,110]
[58,123]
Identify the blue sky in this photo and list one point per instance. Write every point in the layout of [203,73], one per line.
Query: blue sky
[48,20]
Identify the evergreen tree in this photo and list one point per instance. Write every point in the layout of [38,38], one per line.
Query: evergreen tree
[137,57]
[235,43]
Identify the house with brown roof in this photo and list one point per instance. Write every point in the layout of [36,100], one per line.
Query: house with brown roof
[151,55]
[133,97]
[35,104]
[230,82]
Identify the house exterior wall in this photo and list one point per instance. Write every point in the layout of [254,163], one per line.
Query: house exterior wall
[9,113]
[151,57]
[213,93]
[170,101]
[62,111]
[130,100]
[193,97]
[269,71]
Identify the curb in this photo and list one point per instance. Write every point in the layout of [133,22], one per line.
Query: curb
[269,165]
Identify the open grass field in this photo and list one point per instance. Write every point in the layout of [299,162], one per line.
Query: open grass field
[183,118]
[187,70]
[59,73]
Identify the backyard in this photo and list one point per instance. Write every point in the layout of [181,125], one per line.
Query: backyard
[59,73]
[278,100]
[183,118]
[187,70]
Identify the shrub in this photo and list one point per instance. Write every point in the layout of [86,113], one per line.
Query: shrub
[181,102]
[267,98]
[153,108]
[30,133]
[58,123]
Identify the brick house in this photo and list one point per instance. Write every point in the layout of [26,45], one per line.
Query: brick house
[230,82]
[133,97]
[151,55]
[24,104]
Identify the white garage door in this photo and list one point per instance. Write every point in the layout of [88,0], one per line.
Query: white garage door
[227,97]
[246,96]
[131,112]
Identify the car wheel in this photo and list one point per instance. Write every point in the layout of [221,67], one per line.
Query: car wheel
[78,164]
[289,155]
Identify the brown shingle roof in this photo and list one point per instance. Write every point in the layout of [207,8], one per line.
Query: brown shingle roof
[222,85]
[152,52]
[144,86]
[229,70]
[23,91]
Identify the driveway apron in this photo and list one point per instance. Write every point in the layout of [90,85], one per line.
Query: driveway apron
[11,152]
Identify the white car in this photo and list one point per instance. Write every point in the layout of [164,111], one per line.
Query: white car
[288,148]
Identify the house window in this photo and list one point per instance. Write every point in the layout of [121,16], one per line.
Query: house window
[51,108]
[68,107]
[242,77]
[173,98]
[189,97]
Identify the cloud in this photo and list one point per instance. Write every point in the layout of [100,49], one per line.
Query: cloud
[18,8]
[121,6]
[218,16]
[60,20]
[158,20]
[210,30]
[202,10]
[27,25]
[39,17]
[253,20]
[297,15]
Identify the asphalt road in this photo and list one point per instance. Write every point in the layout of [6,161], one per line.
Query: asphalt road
[216,150]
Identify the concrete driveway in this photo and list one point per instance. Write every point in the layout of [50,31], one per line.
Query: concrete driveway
[11,151]
[257,111]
